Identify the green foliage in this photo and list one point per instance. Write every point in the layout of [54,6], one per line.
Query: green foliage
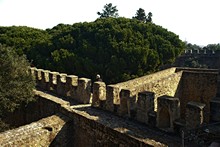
[108,11]
[4,126]
[194,63]
[213,47]
[118,49]
[192,46]
[140,15]
[149,17]
[22,38]
[16,86]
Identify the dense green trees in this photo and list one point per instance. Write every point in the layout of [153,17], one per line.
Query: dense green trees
[117,48]
[16,86]
[108,11]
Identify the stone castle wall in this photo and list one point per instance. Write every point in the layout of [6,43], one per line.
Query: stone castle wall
[186,84]
[149,82]
[40,133]
[201,52]
[80,125]
[41,108]
[156,100]
[78,89]
[198,87]
[204,57]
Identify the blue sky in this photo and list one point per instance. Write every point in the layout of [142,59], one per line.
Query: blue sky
[195,21]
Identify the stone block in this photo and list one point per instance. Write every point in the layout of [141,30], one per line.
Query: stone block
[112,92]
[61,80]
[44,83]
[84,90]
[71,81]
[53,81]
[194,114]
[168,111]
[38,76]
[32,71]
[99,94]
[145,104]
[124,108]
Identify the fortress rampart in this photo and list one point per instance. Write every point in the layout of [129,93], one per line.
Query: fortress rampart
[206,58]
[147,99]
[171,100]
[201,52]
[159,98]
[80,125]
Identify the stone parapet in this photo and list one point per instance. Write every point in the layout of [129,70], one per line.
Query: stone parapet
[153,99]
[70,86]
[199,52]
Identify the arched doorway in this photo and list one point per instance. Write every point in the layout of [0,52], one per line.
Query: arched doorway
[164,118]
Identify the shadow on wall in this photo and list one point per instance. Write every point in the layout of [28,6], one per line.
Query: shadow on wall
[65,136]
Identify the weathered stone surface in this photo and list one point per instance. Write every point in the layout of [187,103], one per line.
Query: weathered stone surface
[168,112]
[61,81]
[198,87]
[99,94]
[82,125]
[112,95]
[71,82]
[44,83]
[53,81]
[84,90]
[40,133]
[145,105]
[124,109]
[194,114]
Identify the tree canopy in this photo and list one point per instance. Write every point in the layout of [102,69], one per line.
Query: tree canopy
[16,86]
[118,49]
[108,11]
[149,17]
[141,15]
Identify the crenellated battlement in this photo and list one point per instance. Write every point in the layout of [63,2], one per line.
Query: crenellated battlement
[159,99]
[173,100]
[204,52]
[70,86]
